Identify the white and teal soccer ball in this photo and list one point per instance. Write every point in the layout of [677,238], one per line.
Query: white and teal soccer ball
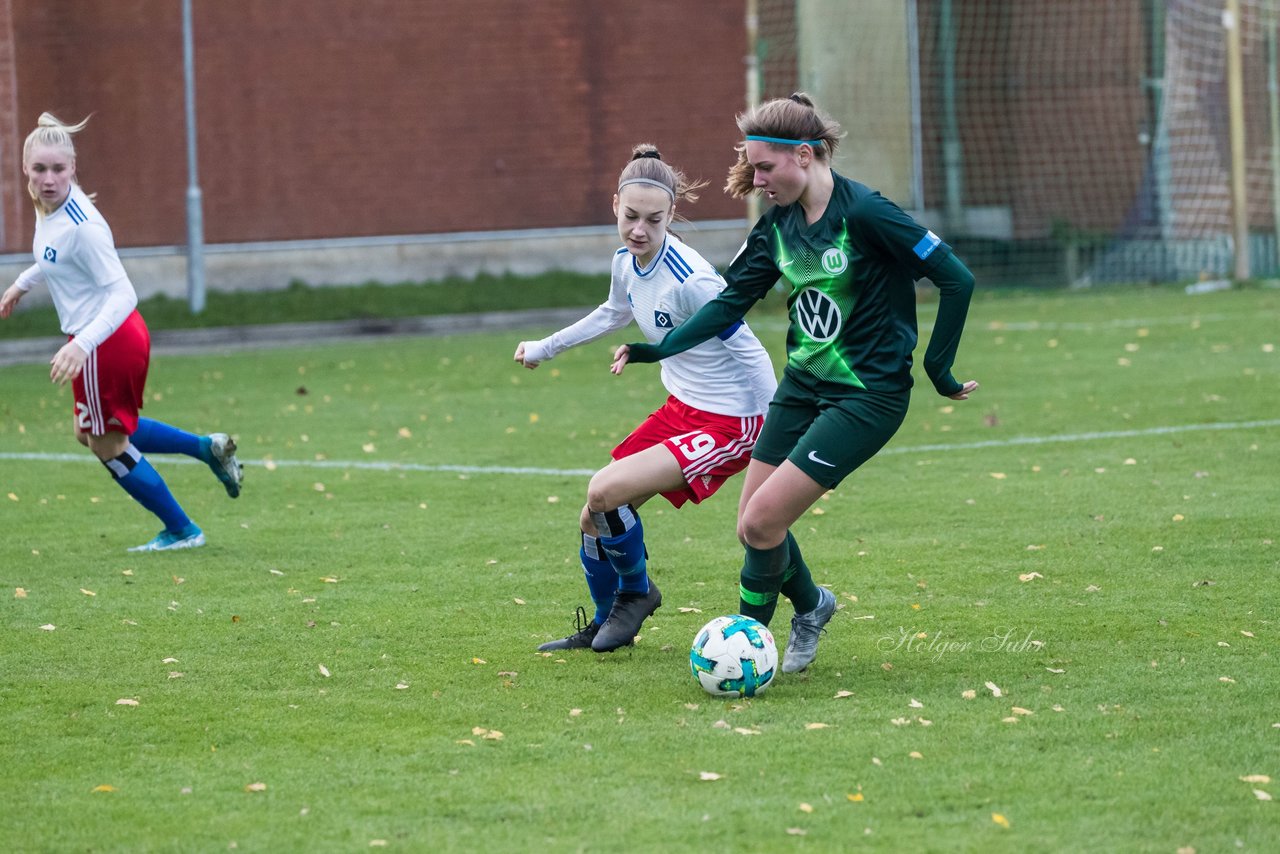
[734,656]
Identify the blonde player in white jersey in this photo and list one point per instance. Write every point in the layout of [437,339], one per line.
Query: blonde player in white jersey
[108,349]
[699,438]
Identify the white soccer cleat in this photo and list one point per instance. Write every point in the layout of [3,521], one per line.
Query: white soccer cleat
[190,537]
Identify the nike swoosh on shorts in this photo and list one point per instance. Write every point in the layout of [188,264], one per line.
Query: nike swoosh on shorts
[813,455]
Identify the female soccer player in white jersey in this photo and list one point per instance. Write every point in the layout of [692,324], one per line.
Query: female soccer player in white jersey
[699,438]
[108,348]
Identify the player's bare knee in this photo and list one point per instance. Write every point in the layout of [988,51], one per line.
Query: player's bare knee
[760,533]
[600,495]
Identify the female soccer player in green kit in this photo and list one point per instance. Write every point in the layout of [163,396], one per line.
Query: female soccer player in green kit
[850,259]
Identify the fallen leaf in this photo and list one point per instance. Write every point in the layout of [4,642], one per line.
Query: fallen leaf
[816,725]
[1261,795]
[1018,710]
[478,661]
[1227,679]
[840,695]
[400,686]
[493,735]
[999,475]
[1242,631]
[689,610]
[48,627]
[969,694]
[519,601]
[796,831]
[125,701]
[708,775]
[1055,670]
[330,579]
[856,797]
[915,754]
[916,704]
[87,592]
[745,731]
[19,593]
[377,843]
[104,788]
[1029,576]
[324,671]
[806,807]
[994,689]
[256,787]
[999,819]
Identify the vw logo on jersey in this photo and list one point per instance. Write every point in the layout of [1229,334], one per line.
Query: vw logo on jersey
[834,261]
[51,255]
[818,315]
[662,320]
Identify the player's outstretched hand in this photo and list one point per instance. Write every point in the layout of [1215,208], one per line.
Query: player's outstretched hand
[9,299]
[620,358]
[67,363]
[519,357]
[966,390]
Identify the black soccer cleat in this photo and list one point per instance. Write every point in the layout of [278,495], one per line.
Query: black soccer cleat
[581,639]
[625,618]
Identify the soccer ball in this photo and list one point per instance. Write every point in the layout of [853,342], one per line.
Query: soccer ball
[734,656]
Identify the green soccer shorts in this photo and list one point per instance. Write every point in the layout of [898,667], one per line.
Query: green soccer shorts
[827,438]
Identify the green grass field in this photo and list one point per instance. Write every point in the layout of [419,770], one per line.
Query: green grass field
[1058,623]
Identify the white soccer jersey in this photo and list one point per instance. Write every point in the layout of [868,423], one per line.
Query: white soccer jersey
[76,258]
[727,375]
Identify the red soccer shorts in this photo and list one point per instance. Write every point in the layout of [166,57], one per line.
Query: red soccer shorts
[709,448]
[108,391]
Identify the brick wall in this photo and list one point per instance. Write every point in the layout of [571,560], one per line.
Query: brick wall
[326,118]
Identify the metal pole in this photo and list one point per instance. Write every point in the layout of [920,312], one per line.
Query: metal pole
[753,89]
[195,218]
[917,123]
[952,152]
[1273,92]
[1235,100]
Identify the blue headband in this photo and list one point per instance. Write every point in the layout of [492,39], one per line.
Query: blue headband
[779,141]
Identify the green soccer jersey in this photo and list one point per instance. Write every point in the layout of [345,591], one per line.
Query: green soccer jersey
[851,292]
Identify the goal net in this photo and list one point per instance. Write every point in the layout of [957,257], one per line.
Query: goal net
[1076,141]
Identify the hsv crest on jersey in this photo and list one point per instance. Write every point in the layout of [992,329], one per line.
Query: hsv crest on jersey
[662,319]
[834,261]
[818,315]
[51,255]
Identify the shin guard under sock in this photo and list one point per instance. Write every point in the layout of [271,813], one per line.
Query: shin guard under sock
[156,437]
[762,575]
[137,477]
[602,578]
[622,537]
[797,584]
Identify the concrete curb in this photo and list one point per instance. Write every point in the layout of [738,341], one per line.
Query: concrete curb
[272,336]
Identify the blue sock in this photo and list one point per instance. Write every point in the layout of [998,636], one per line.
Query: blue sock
[602,579]
[622,538]
[137,477]
[156,437]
